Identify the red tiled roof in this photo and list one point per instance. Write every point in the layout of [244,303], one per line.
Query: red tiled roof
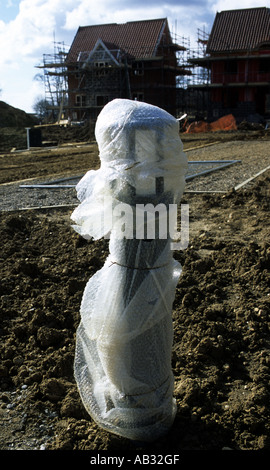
[239,30]
[138,39]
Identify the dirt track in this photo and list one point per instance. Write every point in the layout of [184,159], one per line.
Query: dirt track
[221,352]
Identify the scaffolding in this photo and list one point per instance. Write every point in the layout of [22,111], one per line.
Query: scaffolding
[201,74]
[101,75]
[62,79]
[192,92]
[55,81]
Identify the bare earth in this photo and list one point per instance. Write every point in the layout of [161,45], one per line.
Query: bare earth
[221,352]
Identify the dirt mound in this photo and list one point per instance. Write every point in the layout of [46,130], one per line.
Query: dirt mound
[14,117]
[61,134]
[221,351]
[51,135]
[13,122]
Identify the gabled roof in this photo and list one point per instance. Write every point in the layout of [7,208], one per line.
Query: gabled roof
[106,47]
[138,39]
[240,30]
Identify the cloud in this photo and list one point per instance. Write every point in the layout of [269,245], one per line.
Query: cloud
[188,18]
[31,33]
[222,5]
[33,28]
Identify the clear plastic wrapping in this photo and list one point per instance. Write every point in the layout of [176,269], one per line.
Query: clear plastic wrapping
[124,340]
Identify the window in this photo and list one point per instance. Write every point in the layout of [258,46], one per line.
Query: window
[231,98]
[101,100]
[138,96]
[231,66]
[77,73]
[264,66]
[80,100]
[101,72]
[101,68]
[101,64]
[138,68]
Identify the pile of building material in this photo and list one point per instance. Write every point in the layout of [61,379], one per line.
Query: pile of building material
[225,123]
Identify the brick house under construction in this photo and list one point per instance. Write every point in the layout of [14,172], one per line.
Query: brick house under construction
[135,60]
[238,58]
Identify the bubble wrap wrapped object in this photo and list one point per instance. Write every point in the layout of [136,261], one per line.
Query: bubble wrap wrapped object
[123,346]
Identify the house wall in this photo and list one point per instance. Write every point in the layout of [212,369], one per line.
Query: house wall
[242,86]
[241,71]
[149,79]
[90,90]
[153,83]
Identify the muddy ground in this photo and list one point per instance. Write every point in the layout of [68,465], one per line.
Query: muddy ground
[221,352]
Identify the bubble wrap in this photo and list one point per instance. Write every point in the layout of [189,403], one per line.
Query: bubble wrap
[123,344]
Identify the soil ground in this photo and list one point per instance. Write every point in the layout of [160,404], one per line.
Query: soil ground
[221,351]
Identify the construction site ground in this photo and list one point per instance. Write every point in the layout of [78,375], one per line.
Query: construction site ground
[221,350]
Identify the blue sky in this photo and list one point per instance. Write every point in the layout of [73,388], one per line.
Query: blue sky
[9,9]
[28,29]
